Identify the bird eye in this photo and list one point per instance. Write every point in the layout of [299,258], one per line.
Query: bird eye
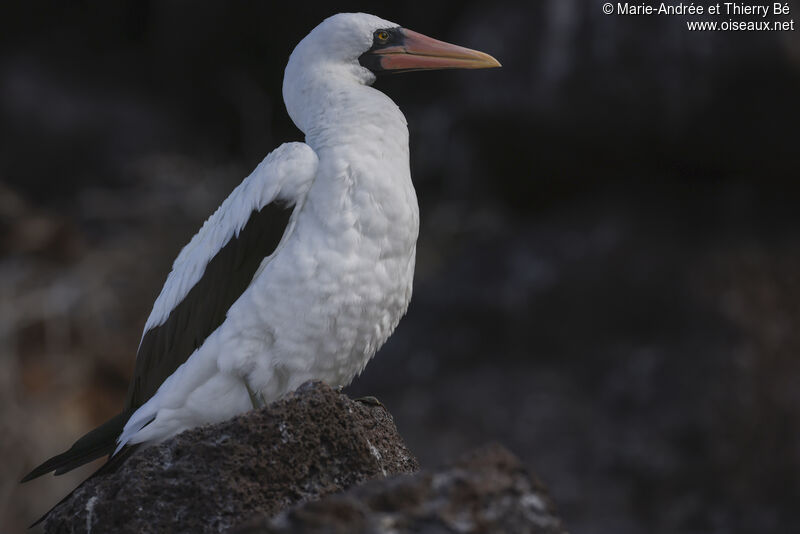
[382,35]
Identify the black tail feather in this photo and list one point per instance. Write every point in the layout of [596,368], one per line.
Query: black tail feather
[99,442]
[109,467]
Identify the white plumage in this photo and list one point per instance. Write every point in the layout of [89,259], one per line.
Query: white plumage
[258,303]
[335,289]
[285,174]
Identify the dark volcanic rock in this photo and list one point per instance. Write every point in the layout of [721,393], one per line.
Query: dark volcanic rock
[312,443]
[487,491]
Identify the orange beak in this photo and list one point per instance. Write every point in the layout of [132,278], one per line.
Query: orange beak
[415,51]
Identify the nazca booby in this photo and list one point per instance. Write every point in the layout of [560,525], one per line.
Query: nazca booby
[306,268]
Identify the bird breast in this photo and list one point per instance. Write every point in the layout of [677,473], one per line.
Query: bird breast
[338,287]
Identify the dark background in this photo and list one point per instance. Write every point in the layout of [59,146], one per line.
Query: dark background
[608,271]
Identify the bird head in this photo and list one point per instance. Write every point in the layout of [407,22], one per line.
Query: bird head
[385,47]
[353,48]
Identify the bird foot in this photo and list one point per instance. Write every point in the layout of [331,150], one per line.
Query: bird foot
[256,399]
[370,401]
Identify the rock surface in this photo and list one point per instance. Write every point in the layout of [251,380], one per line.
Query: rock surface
[314,442]
[487,491]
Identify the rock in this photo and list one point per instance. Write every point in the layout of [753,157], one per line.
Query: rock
[485,491]
[314,442]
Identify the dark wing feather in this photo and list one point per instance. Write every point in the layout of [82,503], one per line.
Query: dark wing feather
[204,306]
[168,345]
[96,443]
[109,467]
[203,309]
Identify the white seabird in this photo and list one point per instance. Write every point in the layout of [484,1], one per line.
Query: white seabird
[306,268]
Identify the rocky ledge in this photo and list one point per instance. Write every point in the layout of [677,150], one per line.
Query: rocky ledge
[275,470]
[487,490]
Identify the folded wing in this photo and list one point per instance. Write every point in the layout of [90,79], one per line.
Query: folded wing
[208,276]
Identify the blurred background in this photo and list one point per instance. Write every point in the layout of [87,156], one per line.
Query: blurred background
[608,271]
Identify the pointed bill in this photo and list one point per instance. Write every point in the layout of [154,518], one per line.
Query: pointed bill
[415,51]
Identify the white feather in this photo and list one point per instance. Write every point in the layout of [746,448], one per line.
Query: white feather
[285,174]
[340,281]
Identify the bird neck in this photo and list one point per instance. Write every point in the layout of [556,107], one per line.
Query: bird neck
[360,116]
[364,178]
[361,139]
[337,104]
[361,133]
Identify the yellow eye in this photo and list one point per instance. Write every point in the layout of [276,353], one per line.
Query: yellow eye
[382,35]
